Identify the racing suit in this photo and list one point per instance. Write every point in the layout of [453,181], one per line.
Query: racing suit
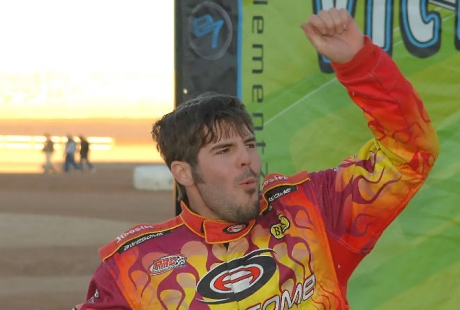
[313,228]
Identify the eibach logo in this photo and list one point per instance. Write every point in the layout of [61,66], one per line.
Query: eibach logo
[167,263]
[237,279]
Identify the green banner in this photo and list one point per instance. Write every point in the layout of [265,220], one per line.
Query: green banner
[305,120]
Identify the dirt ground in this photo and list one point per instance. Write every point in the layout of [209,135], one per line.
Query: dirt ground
[52,225]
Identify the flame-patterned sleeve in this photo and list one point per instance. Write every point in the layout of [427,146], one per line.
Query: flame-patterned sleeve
[361,197]
[103,293]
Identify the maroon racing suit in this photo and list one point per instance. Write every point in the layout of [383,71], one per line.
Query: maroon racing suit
[313,228]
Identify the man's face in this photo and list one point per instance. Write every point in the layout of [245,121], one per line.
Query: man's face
[227,177]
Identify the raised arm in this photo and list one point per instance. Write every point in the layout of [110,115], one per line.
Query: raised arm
[367,191]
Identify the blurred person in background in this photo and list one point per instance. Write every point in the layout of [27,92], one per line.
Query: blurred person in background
[69,154]
[84,153]
[48,149]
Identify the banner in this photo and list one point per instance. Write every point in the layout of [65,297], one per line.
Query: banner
[206,47]
[304,119]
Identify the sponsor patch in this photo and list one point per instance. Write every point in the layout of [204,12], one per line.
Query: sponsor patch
[269,208]
[275,178]
[132,231]
[141,239]
[279,191]
[167,263]
[237,279]
[234,229]
[93,298]
[280,228]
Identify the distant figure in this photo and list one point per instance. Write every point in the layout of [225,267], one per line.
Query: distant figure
[48,149]
[69,153]
[84,150]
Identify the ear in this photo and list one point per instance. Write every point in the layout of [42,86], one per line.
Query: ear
[182,173]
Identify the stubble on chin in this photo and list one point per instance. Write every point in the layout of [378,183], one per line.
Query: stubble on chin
[245,213]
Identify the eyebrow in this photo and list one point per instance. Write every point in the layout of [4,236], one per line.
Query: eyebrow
[225,145]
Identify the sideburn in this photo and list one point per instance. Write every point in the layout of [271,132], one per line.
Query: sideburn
[196,175]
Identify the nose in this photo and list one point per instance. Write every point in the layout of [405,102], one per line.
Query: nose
[245,157]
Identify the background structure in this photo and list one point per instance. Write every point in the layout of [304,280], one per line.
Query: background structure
[305,120]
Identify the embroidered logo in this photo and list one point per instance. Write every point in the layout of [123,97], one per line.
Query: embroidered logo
[237,279]
[141,239]
[133,231]
[234,229]
[279,192]
[93,298]
[279,229]
[167,263]
[274,178]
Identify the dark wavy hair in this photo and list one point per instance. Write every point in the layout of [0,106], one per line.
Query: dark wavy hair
[181,133]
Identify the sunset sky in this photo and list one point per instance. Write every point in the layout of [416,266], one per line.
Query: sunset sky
[105,49]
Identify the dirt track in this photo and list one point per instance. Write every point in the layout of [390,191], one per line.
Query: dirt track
[52,225]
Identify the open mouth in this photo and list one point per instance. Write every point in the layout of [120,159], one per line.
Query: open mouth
[250,181]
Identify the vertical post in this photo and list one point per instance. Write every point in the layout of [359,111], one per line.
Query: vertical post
[178,85]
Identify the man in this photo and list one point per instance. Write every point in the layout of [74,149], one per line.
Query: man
[69,154]
[295,245]
[84,153]
[48,149]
